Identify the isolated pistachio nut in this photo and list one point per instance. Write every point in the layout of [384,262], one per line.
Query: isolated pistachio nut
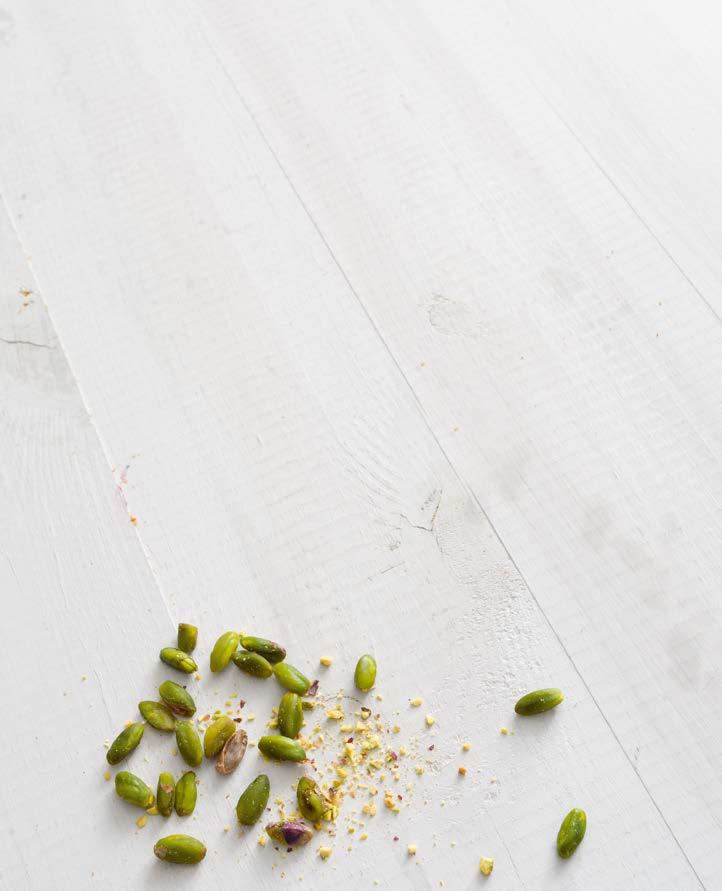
[124,743]
[253,801]
[179,849]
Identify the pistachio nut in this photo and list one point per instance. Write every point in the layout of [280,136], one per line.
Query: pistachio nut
[253,801]
[124,743]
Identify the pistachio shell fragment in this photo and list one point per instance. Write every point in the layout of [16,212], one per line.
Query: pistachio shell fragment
[124,743]
[290,833]
[165,794]
[310,801]
[178,659]
[253,664]
[189,743]
[253,801]
[180,849]
[132,789]
[571,832]
[365,674]
[232,753]
[177,698]
[223,649]
[187,637]
[280,748]
[290,715]
[538,701]
[269,649]
[157,714]
[291,678]
[217,735]
[186,794]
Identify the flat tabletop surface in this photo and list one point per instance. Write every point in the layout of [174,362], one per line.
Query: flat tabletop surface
[389,327]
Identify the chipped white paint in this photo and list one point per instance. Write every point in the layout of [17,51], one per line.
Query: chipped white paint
[347,302]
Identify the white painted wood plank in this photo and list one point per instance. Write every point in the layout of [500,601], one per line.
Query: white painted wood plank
[491,250]
[282,469]
[82,615]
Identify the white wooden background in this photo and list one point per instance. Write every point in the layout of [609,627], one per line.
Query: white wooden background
[397,325]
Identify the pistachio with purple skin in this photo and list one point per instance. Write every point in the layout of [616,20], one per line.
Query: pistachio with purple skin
[290,833]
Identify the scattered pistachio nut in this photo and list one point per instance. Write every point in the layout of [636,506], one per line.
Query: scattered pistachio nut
[157,714]
[223,649]
[571,832]
[165,794]
[280,748]
[124,743]
[189,743]
[178,659]
[180,849]
[290,715]
[252,663]
[186,794]
[177,698]
[486,865]
[217,735]
[291,678]
[290,833]
[310,801]
[269,649]
[365,674]
[538,701]
[187,637]
[232,752]
[253,801]
[132,789]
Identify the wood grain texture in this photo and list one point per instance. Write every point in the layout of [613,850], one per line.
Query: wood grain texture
[334,291]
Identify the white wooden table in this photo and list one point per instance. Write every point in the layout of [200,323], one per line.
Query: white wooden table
[388,326]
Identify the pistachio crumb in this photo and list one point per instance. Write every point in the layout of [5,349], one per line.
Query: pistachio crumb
[466,746]
[411,849]
[226,828]
[262,841]
[504,731]
[419,769]
[326,662]
[462,771]
[430,720]
[106,775]
[416,702]
[486,865]
[325,853]
[141,821]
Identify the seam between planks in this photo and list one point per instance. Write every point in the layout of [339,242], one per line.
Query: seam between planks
[427,423]
[41,293]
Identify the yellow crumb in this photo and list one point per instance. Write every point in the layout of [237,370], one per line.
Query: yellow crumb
[197,676]
[226,828]
[402,751]
[346,728]
[128,723]
[416,702]
[462,771]
[351,830]
[411,849]
[251,718]
[341,773]
[419,769]
[262,841]
[152,811]
[430,720]
[106,775]
[141,821]
[466,746]
[486,864]
[396,729]
[504,731]
[336,714]
[133,520]
[174,752]
[325,853]
[363,836]
[379,697]
[326,662]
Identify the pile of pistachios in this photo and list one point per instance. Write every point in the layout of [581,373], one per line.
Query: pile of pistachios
[225,741]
